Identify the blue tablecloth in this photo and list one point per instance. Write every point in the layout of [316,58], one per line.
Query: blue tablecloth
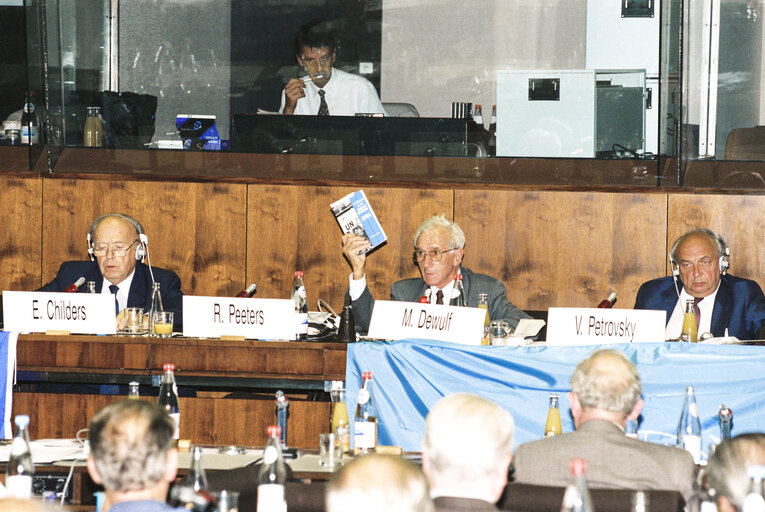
[411,376]
[7,367]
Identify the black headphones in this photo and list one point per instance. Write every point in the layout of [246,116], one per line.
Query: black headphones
[720,245]
[140,251]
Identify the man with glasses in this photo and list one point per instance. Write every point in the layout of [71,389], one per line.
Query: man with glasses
[325,90]
[439,247]
[116,244]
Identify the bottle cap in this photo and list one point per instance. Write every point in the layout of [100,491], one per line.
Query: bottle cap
[424,299]
[577,467]
[298,273]
[133,383]
[458,277]
[274,431]
[169,367]
[337,385]
[366,375]
[21,420]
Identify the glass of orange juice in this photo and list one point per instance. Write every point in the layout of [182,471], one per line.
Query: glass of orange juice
[163,324]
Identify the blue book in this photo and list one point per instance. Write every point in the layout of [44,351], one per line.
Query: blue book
[355,215]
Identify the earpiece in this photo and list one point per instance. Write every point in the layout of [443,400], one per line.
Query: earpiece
[140,251]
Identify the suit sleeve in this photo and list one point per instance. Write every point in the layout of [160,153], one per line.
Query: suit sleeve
[640,298]
[59,283]
[755,313]
[502,309]
[362,310]
[172,297]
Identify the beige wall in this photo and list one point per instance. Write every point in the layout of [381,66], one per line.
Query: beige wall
[438,51]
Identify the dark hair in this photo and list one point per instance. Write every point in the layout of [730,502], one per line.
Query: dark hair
[314,35]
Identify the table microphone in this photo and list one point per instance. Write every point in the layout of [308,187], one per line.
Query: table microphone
[425,298]
[72,288]
[609,301]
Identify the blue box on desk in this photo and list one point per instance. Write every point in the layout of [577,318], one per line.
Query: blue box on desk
[198,131]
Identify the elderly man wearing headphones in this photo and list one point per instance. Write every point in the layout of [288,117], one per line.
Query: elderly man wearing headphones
[700,259]
[116,245]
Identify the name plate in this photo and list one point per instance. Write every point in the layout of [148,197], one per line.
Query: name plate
[592,326]
[80,313]
[395,320]
[262,319]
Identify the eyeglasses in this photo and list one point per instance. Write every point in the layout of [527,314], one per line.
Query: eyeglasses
[433,254]
[323,60]
[117,249]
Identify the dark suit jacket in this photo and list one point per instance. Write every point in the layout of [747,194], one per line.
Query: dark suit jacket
[613,461]
[410,290]
[739,304]
[139,295]
[452,504]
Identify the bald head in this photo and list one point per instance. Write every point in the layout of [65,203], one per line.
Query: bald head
[607,381]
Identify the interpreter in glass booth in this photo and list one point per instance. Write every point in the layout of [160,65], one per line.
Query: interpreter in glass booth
[325,90]
[117,245]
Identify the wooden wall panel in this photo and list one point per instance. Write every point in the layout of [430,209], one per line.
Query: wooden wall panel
[292,227]
[740,220]
[195,229]
[569,249]
[20,218]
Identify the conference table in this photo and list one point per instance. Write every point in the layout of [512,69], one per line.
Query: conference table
[410,376]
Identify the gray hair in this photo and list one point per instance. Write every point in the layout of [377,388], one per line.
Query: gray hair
[467,439]
[727,468]
[607,380]
[129,441]
[456,235]
[720,246]
[378,483]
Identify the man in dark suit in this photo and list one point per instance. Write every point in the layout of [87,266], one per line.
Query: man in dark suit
[439,247]
[605,393]
[466,452]
[699,261]
[116,244]
[726,472]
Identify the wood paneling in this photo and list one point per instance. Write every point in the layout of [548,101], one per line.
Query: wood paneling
[203,420]
[20,218]
[195,229]
[740,220]
[292,227]
[564,248]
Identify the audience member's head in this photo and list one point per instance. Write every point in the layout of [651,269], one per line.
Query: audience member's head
[378,483]
[467,447]
[727,469]
[605,385]
[131,451]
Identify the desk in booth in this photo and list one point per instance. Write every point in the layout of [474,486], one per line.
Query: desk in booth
[411,376]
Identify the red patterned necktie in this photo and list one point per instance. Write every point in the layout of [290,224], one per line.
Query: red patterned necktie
[323,108]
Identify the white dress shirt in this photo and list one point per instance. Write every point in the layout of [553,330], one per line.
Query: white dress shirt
[346,95]
[356,288]
[122,293]
[706,305]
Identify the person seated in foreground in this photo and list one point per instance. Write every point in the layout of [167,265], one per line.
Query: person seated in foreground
[700,260]
[466,452]
[132,456]
[116,245]
[726,471]
[439,248]
[378,483]
[326,91]
[605,393]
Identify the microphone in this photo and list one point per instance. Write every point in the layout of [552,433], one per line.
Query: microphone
[247,292]
[726,422]
[72,288]
[609,301]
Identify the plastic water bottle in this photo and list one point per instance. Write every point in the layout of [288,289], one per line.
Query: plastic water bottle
[272,476]
[301,307]
[20,469]
[689,426]
[168,397]
[577,495]
[196,479]
[459,289]
[365,420]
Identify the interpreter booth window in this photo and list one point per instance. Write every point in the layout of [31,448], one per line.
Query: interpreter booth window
[556,79]
[723,106]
